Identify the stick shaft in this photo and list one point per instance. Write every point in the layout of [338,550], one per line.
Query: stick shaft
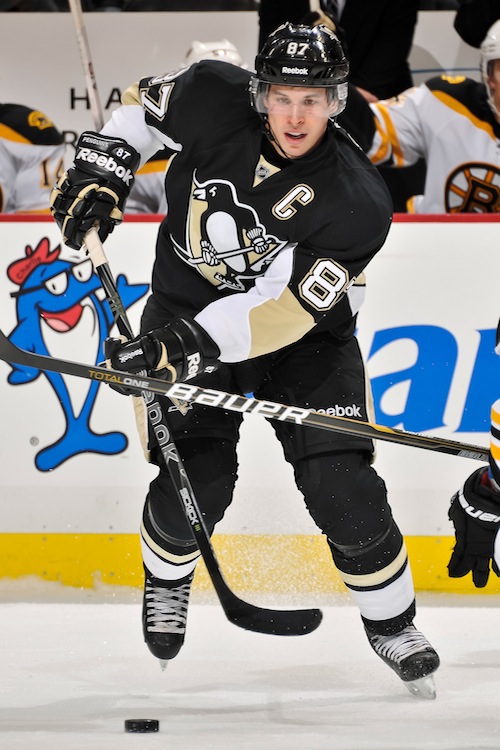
[233,402]
[241,613]
[279,411]
[87,63]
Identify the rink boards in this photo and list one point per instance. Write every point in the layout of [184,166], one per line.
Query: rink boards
[73,478]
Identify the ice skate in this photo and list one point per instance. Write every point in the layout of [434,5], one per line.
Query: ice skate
[164,615]
[411,656]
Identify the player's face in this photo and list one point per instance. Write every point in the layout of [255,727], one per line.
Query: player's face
[297,117]
[494,83]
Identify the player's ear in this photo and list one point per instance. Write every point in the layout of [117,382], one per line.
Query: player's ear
[493,74]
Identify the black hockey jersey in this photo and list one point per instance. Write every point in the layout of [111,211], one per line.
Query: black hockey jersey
[257,248]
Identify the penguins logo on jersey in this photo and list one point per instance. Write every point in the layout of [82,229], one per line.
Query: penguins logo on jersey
[225,239]
[473,187]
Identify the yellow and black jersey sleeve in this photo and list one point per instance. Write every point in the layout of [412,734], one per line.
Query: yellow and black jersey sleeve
[22,124]
[461,94]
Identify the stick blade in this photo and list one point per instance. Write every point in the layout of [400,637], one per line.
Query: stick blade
[252,617]
[274,621]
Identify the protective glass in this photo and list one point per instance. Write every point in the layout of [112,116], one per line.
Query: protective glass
[284,100]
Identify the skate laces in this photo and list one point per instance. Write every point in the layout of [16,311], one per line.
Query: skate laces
[166,608]
[401,645]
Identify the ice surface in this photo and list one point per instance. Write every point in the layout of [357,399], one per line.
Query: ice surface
[74,667]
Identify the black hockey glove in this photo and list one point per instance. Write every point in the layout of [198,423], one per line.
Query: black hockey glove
[179,351]
[93,191]
[475,513]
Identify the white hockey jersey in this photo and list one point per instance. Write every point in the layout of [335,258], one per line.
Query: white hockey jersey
[31,159]
[148,191]
[447,121]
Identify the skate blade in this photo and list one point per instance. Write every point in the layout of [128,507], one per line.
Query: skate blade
[424,687]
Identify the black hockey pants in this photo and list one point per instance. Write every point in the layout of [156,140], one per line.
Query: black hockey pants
[343,493]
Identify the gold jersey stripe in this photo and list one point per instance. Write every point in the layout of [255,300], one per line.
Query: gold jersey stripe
[151,167]
[131,95]
[289,323]
[495,414]
[389,137]
[452,103]
[12,135]
[375,579]
[168,556]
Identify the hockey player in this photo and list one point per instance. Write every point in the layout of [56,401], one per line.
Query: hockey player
[273,214]
[31,159]
[454,123]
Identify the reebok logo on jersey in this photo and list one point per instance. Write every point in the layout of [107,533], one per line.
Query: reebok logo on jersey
[481,515]
[295,71]
[341,411]
[105,162]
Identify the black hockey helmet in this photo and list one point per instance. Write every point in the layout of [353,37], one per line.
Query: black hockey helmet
[298,55]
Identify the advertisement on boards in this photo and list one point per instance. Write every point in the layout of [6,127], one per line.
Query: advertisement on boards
[70,455]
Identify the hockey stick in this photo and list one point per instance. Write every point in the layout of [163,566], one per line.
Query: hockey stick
[346,426]
[232,402]
[239,612]
[88,66]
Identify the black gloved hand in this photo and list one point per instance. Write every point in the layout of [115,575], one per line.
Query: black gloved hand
[93,191]
[475,513]
[179,351]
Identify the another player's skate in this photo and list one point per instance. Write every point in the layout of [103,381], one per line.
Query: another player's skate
[164,615]
[411,656]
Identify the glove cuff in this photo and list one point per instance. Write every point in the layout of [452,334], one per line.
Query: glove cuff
[110,159]
[480,501]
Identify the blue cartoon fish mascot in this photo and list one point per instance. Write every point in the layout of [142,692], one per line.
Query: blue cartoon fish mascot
[60,308]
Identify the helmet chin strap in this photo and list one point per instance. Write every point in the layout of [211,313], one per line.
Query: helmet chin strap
[266,129]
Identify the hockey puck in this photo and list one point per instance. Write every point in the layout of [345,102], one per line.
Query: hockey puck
[142,725]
